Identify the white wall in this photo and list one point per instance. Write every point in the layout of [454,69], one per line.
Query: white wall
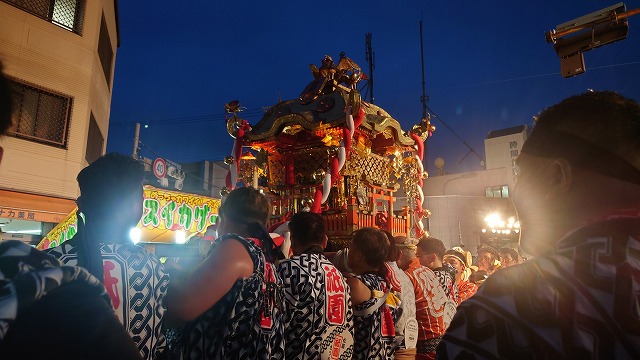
[502,151]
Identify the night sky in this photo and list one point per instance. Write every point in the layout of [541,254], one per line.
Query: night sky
[487,66]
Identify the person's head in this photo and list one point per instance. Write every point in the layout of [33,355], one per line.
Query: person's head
[488,259]
[430,252]
[241,209]
[307,229]
[110,200]
[245,211]
[459,260]
[368,250]
[394,252]
[406,250]
[111,194]
[581,159]
[508,256]
[6,106]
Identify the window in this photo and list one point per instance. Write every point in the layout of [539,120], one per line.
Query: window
[105,51]
[497,191]
[68,14]
[40,115]
[95,141]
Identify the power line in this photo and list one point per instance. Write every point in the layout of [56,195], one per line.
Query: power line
[195,119]
[538,75]
[471,149]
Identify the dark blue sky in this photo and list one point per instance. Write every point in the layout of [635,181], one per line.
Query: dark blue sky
[487,66]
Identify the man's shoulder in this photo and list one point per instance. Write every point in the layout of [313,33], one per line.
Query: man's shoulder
[314,265]
[128,250]
[513,312]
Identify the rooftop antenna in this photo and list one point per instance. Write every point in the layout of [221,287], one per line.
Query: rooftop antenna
[424,98]
[371,59]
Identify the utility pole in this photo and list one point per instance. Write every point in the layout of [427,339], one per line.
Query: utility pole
[136,140]
[371,59]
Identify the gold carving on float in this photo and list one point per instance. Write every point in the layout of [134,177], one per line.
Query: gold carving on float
[291,129]
[299,141]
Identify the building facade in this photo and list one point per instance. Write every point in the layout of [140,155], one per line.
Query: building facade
[461,203]
[60,57]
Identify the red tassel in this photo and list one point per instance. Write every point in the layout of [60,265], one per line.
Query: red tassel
[420,144]
[317,200]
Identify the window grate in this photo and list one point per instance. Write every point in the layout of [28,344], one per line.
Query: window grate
[40,115]
[95,141]
[68,14]
[105,51]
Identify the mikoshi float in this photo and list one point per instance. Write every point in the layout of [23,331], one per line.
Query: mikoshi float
[168,217]
[330,152]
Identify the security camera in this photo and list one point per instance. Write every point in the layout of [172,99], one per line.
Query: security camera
[572,38]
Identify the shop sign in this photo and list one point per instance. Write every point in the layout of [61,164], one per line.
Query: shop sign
[17,214]
[162,210]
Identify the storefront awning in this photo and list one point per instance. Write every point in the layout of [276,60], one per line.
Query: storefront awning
[23,206]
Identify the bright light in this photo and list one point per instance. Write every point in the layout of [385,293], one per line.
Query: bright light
[135,234]
[26,231]
[499,226]
[492,220]
[181,237]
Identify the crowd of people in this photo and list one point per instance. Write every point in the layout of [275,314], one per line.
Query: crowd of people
[385,296]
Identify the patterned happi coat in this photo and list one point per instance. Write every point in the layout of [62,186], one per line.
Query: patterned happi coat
[136,284]
[408,302]
[580,301]
[317,301]
[434,309]
[447,277]
[28,275]
[374,334]
[248,321]
[466,290]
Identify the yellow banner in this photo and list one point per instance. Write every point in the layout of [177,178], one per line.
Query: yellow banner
[164,212]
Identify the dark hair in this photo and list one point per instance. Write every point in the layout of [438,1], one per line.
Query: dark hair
[510,251]
[432,245]
[107,180]
[248,206]
[490,250]
[597,131]
[6,103]
[373,244]
[393,249]
[307,229]
[104,184]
